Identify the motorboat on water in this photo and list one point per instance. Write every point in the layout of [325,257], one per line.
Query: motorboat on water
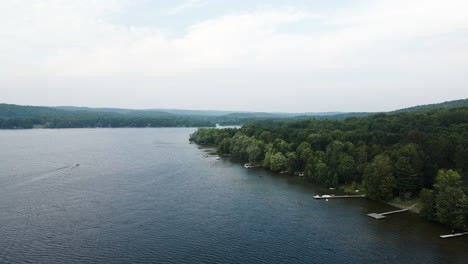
[76,164]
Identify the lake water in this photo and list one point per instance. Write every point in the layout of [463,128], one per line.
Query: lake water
[148,196]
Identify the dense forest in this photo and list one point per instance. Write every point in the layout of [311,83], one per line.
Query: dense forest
[421,153]
[102,121]
[18,116]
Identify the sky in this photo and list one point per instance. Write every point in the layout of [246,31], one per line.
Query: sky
[252,55]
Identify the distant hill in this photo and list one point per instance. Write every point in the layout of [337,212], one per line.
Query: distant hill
[444,105]
[230,117]
[196,112]
[105,110]
[146,112]
[11,110]
[341,116]
[180,112]
[257,115]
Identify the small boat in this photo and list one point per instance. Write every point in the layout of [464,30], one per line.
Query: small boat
[76,164]
[283,172]
[323,196]
[248,165]
[218,158]
[301,174]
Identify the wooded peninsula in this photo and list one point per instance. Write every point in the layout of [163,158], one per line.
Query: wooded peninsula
[421,154]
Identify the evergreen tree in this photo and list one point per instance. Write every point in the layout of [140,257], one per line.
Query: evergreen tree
[427,204]
[407,177]
[378,178]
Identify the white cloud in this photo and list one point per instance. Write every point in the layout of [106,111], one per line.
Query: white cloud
[388,44]
[187,4]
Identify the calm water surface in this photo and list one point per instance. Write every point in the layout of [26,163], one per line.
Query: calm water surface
[147,196]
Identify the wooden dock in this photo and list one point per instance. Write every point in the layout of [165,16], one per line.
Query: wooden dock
[383,215]
[454,235]
[338,196]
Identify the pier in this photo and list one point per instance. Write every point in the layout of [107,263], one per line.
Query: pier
[383,215]
[454,235]
[326,196]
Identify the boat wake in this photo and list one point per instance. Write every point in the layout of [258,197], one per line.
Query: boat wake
[46,174]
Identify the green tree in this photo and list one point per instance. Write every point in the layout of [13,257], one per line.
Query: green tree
[293,162]
[278,162]
[255,152]
[304,154]
[451,203]
[320,175]
[407,177]
[346,168]
[224,146]
[427,204]
[378,178]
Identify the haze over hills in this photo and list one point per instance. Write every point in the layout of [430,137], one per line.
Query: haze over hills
[11,110]
[246,114]
[238,114]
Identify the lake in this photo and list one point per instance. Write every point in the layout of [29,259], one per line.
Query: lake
[148,196]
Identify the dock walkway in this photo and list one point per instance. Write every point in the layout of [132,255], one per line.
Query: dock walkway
[338,196]
[383,215]
[454,235]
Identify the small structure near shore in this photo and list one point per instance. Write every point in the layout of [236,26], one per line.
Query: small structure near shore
[454,235]
[249,166]
[332,196]
[383,215]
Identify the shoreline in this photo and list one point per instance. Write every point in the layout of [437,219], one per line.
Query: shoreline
[413,208]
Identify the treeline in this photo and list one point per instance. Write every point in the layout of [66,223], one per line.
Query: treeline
[387,155]
[102,121]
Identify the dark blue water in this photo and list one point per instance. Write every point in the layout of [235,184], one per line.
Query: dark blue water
[147,196]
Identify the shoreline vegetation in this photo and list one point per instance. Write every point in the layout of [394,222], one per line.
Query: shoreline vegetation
[412,204]
[415,160]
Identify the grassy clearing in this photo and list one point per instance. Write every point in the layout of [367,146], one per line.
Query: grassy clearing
[351,188]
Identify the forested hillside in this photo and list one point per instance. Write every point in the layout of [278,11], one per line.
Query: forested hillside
[444,105]
[15,116]
[11,111]
[387,155]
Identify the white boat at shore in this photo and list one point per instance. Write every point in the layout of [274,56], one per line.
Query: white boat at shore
[325,196]
[249,165]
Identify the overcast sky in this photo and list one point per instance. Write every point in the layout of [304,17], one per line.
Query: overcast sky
[289,56]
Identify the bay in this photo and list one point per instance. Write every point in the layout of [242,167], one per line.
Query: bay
[148,196]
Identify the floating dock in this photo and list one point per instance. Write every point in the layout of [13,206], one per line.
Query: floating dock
[383,215]
[326,196]
[454,235]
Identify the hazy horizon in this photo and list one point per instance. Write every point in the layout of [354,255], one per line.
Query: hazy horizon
[228,110]
[283,56]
